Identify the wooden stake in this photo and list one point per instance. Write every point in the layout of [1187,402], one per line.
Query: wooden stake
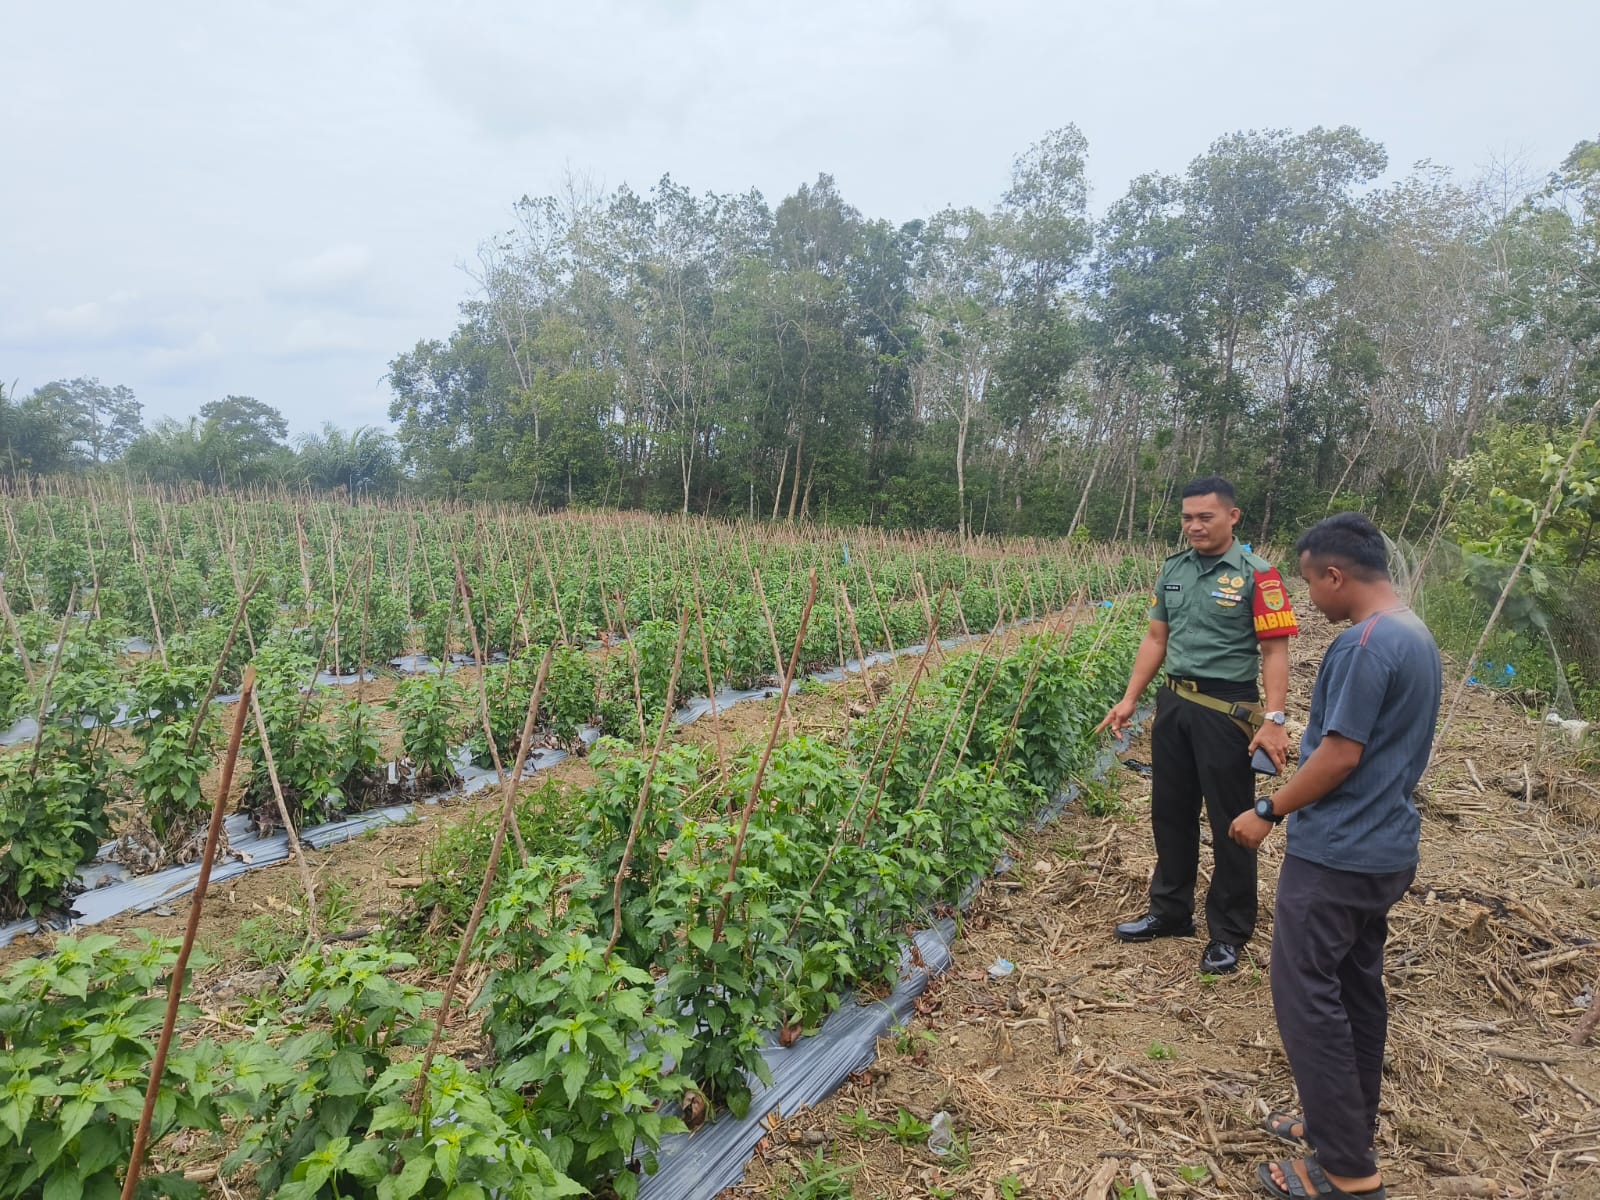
[644,791]
[507,811]
[766,755]
[288,822]
[130,1183]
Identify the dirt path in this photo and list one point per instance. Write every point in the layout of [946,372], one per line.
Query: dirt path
[1097,1057]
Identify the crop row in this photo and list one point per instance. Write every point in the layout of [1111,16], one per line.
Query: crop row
[383,581]
[636,961]
[124,741]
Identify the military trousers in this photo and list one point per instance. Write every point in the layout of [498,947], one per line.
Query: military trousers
[1198,754]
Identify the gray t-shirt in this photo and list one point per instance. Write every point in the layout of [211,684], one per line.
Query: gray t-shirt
[1379,685]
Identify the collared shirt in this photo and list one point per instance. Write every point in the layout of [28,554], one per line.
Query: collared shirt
[1217,610]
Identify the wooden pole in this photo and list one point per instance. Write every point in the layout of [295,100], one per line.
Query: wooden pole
[141,1137]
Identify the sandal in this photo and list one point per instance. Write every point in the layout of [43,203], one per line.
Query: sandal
[1281,1125]
[1318,1177]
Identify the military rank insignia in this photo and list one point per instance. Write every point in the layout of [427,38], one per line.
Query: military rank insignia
[1228,593]
[1270,606]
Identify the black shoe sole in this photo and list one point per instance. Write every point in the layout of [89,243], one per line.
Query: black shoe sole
[1150,937]
[1208,970]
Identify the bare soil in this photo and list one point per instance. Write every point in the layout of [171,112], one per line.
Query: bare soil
[1096,1067]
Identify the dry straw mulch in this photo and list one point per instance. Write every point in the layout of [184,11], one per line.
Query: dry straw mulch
[1096,1067]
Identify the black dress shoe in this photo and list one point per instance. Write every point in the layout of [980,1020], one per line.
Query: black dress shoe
[1149,927]
[1220,958]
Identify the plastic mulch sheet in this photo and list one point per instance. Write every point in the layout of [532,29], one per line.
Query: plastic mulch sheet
[109,890]
[698,1165]
[693,1166]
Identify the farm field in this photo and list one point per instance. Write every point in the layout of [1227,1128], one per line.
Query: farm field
[668,903]
[646,932]
[127,615]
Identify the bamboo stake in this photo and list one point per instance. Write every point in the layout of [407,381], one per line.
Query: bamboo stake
[705,658]
[216,674]
[16,632]
[49,683]
[288,823]
[644,791]
[766,755]
[130,1183]
[772,630]
[507,811]
[905,716]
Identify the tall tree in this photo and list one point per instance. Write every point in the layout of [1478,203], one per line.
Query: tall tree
[101,421]
[362,462]
[238,435]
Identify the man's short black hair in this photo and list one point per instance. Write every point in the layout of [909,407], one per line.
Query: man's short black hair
[1350,541]
[1211,485]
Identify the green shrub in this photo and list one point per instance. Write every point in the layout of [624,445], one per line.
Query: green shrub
[327,1107]
[52,818]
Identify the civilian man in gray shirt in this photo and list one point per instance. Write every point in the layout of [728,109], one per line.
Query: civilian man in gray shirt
[1352,854]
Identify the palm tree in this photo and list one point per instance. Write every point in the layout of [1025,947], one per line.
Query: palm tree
[362,461]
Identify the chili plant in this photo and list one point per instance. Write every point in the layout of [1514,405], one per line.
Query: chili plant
[428,709]
[575,1028]
[569,694]
[75,1046]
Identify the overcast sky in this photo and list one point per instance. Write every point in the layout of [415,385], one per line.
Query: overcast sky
[275,199]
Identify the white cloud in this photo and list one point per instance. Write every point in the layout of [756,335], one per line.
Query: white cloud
[319,335]
[169,360]
[332,271]
[294,184]
[116,317]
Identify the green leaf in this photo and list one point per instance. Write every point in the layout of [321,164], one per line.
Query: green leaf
[700,937]
[409,1182]
[347,1074]
[64,1185]
[13,1117]
[74,1115]
[574,1070]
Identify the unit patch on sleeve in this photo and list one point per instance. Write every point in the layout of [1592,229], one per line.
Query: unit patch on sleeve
[1274,618]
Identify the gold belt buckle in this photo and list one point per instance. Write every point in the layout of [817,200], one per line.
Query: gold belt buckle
[1186,685]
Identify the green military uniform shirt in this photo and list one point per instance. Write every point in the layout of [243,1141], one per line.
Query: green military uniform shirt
[1217,610]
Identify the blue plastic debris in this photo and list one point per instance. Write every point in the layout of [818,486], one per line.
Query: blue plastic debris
[846,548]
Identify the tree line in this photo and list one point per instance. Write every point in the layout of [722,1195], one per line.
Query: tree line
[1271,313]
[82,424]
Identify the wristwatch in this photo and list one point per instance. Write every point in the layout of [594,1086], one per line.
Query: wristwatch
[1277,718]
[1264,810]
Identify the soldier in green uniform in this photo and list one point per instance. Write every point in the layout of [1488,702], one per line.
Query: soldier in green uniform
[1218,618]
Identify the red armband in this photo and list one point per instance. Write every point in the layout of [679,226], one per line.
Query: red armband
[1270,607]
